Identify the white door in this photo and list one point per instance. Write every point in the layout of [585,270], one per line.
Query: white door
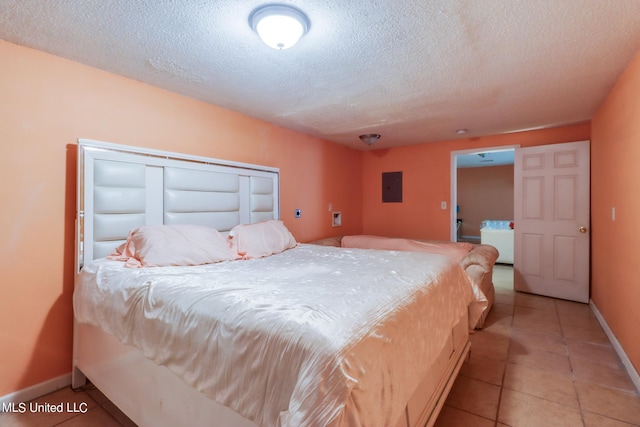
[551,215]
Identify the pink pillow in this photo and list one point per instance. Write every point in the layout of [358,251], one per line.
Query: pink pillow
[165,245]
[261,239]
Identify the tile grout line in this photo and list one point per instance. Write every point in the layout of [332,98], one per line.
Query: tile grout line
[573,374]
[506,363]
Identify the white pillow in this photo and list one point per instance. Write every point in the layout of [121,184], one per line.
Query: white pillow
[165,245]
[261,239]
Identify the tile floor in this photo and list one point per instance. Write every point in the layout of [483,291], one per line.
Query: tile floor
[538,362]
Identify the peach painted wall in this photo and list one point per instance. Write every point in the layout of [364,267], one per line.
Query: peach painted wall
[615,182]
[46,104]
[427,180]
[484,193]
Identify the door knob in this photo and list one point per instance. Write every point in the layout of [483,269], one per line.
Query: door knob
[582,229]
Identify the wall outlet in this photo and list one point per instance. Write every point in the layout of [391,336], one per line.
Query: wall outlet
[336,219]
[298,213]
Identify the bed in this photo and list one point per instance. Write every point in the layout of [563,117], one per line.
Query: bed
[305,336]
[476,260]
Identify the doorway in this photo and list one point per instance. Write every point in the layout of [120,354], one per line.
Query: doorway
[466,217]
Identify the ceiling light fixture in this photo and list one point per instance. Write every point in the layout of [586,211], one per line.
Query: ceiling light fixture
[461,131]
[370,138]
[279,26]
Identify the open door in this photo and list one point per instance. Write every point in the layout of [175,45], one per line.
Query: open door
[551,194]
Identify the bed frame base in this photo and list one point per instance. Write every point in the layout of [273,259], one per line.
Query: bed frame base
[149,394]
[430,416]
[426,402]
[152,395]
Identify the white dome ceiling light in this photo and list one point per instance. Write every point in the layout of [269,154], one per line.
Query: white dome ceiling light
[279,26]
[370,138]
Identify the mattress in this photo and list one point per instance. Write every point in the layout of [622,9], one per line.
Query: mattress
[311,336]
[478,262]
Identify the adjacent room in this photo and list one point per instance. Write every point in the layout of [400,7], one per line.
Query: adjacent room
[309,196]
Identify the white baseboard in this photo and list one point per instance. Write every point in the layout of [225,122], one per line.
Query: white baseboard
[37,390]
[631,370]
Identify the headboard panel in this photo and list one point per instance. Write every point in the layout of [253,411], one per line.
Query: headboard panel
[202,197]
[122,187]
[119,195]
[262,198]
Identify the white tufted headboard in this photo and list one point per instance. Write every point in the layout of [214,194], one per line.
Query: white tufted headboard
[122,187]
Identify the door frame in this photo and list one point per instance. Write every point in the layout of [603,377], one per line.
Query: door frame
[454,180]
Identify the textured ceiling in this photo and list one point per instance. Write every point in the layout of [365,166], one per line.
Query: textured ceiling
[413,70]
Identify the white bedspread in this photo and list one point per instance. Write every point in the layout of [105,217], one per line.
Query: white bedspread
[312,336]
